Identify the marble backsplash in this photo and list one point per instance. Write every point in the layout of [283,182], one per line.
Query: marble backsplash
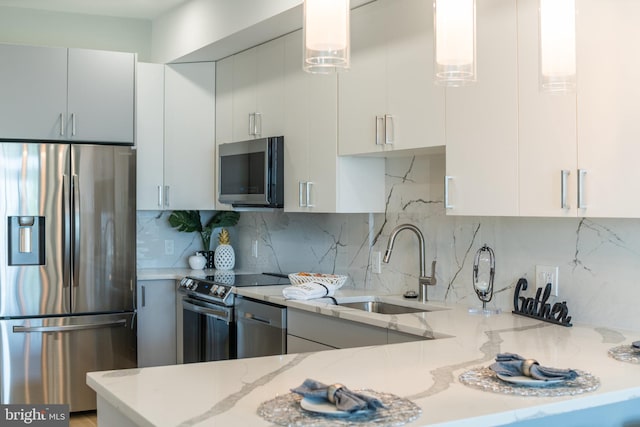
[599,260]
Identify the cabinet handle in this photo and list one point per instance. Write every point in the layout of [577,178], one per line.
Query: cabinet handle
[144,296]
[166,195]
[581,174]
[159,196]
[309,204]
[389,129]
[257,127]
[252,124]
[61,124]
[563,188]
[301,202]
[447,204]
[73,124]
[379,127]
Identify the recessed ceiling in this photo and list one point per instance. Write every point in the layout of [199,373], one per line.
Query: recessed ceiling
[140,9]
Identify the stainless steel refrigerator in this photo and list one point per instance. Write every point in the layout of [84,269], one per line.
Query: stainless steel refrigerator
[67,269]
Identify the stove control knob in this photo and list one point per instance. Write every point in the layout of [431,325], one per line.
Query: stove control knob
[222,290]
[193,285]
[213,290]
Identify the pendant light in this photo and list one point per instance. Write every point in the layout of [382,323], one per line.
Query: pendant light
[326,36]
[454,42]
[557,31]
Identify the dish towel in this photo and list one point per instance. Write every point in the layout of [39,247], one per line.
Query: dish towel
[344,399]
[309,290]
[513,365]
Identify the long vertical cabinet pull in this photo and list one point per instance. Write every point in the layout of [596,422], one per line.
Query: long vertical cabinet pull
[447,204]
[159,196]
[73,124]
[301,201]
[564,174]
[389,129]
[379,130]
[143,296]
[309,204]
[61,124]
[166,196]
[257,124]
[252,124]
[581,174]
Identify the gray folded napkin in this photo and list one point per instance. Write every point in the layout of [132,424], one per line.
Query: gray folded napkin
[509,364]
[345,399]
[635,344]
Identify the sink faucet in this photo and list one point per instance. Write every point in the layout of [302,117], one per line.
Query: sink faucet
[423,280]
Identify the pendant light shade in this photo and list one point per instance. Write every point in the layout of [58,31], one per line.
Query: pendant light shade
[557,30]
[454,42]
[326,36]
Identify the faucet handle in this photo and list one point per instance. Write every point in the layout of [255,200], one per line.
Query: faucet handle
[433,280]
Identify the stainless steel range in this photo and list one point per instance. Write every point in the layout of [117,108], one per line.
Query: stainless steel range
[209,330]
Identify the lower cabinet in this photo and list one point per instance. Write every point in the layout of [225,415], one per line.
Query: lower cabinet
[307,332]
[156,322]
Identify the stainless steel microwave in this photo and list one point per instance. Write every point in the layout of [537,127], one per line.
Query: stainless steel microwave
[251,173]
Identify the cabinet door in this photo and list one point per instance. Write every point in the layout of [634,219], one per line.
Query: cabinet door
[189,166]
[33,84]
[100,96]
[608,105]
[269,87]
[244,93]
[415,103]
[150,136]
[547,131]
[482,121]
[156,323]
[362,91]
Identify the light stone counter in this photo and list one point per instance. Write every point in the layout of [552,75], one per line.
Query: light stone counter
[227,393]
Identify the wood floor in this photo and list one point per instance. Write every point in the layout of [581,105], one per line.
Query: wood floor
[83,419]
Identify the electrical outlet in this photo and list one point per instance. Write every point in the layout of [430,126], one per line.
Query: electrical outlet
[254,249]
[547,274]
[375,262]
[168,247]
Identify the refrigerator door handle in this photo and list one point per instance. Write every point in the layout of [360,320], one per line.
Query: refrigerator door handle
[66,226]
[68,328]
[75,264]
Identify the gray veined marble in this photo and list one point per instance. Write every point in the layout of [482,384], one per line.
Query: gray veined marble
[598,260]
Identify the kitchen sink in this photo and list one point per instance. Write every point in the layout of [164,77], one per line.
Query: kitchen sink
[382,307]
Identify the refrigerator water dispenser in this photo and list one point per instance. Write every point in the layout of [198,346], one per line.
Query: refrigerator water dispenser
[26,240]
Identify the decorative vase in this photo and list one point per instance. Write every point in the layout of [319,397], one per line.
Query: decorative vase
[225,257]
[197,261]
[208,255]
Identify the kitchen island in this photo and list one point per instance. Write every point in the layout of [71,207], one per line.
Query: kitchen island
[228,393]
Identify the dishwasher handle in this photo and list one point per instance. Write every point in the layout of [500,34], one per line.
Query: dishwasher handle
[253,317]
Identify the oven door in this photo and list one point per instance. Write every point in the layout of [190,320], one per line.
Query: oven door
[243,169]
[208,331]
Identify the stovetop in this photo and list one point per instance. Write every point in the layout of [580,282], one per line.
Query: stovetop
[219,287]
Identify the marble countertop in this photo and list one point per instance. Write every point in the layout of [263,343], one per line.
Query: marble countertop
[426,372]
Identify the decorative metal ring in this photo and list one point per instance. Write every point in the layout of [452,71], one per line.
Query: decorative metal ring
[332,390]
[526,366]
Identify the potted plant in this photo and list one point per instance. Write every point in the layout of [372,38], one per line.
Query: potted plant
[190,221]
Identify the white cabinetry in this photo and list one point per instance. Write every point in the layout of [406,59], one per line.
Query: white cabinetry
[547,132]
[388,101]
[257,91]
[608,104]
[66,94]
[176,136]
[156,323]
[316,179]
[482,121]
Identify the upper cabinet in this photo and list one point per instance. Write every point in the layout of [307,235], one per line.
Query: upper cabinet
[608,100]
[66,94]
[482,121]
[257,84]
[176,136]
[387,101]
[316,179]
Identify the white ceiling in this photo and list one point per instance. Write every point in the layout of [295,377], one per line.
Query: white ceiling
[140,9]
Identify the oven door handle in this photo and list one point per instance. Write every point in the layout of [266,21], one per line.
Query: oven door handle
[208,311]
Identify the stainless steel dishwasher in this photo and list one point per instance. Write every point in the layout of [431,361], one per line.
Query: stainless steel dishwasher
[261,328]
